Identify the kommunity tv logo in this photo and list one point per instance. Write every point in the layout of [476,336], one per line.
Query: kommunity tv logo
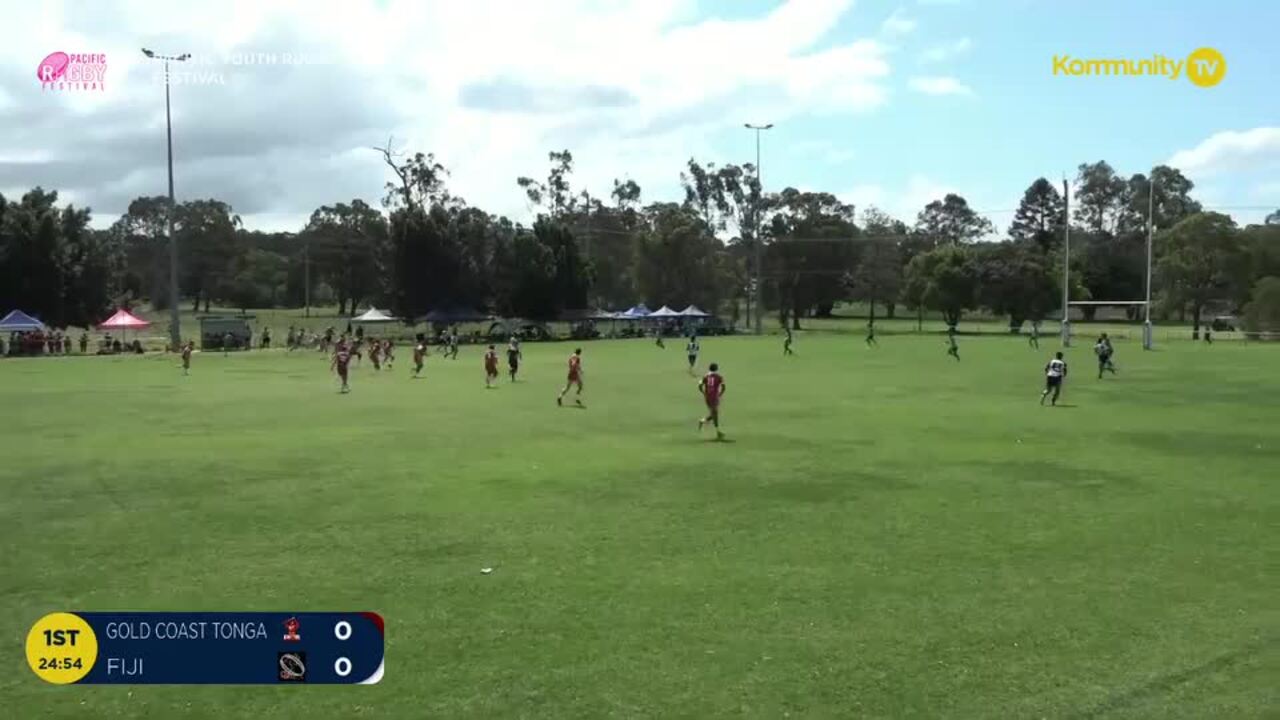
[1204,67]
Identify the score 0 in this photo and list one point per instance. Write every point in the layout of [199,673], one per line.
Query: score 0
[342,631]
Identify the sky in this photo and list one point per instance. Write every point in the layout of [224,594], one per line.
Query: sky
[883,103]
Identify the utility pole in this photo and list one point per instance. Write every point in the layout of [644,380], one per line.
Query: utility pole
[175,328]
[755,216]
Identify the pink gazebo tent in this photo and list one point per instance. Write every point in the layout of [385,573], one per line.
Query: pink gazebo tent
[123,321]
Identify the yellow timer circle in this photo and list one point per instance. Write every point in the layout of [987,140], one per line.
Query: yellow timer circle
[61,648]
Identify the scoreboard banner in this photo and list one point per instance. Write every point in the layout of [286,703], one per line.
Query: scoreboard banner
[207,648]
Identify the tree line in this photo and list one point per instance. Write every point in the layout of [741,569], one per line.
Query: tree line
[428,249]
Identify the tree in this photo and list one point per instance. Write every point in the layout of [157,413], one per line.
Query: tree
[1200,261]
[348,248]
[878,225]
[677,258]
[951,221]
[141,233]
[1273,218]
[811,252]
[1101,198]
[1172,202]
[555,194]
[878,274]
[207,233]
[944,279]
[1039,218]
[1015,279]
[1262,314]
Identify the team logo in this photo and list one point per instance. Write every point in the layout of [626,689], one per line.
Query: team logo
[291,630]
[292,666]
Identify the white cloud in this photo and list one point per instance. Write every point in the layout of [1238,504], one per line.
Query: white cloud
[903,202]
[939,85]
[897,24]
[631,87]
[1231,151]
[946,51]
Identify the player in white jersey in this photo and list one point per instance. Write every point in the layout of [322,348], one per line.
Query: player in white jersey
[692,350]
[1054,372]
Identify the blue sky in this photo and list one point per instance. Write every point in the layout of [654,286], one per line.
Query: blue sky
[881,102]
[1019,121]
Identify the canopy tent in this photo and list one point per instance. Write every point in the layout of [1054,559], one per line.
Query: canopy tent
[693,311]
[664,312]
[18,321]
[638,311]
[123,320]
[604,315]
[373,315]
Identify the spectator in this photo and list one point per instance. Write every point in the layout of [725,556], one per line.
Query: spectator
[84,343]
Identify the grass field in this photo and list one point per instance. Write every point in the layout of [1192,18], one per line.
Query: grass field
[889,533]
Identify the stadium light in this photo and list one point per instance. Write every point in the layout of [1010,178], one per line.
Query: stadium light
[755,212]
[175,333]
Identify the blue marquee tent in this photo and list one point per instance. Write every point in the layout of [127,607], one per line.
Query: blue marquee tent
[18,321]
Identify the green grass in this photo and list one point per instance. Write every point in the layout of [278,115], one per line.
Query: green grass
[889,533]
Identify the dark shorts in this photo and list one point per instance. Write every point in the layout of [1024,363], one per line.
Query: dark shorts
[513,363]
[693,359]
[1052,382]
[342,373]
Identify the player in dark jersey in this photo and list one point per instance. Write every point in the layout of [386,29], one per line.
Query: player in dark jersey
[341,359]
[575,378]
[186,356]
[952,348]
[1054,373]
[871,333]
[712,388]
[490,367]
[419,352]
[513,357]
[375,354]
[786,342]
[388,352]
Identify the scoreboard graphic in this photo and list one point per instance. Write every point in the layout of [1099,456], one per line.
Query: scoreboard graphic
[148,648]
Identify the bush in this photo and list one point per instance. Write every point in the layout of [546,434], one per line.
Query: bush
[1262,314]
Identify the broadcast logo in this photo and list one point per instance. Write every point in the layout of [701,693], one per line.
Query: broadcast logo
[291,630]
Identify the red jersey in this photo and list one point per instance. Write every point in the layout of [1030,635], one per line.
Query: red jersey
[575,367]
[712,387]
[491,361]
[341,358]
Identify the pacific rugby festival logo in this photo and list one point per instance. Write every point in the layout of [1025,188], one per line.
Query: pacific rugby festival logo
[77,71]
[1204,67]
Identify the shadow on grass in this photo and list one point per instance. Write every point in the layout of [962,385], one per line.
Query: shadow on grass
[1125,700]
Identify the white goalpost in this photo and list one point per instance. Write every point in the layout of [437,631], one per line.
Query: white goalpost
[1067,302]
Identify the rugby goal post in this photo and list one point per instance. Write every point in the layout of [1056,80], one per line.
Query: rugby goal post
[1067,302]
[1146,316]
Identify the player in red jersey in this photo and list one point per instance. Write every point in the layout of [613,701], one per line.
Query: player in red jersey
[490,367]
[186,356]
[575,378]
[342,358]
[419,352]
[388,352]
[375,354]
[712,389]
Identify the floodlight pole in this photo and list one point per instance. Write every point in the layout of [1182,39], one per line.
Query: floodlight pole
[1066,263]
[1151,225]
[755,212]
[175,328]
